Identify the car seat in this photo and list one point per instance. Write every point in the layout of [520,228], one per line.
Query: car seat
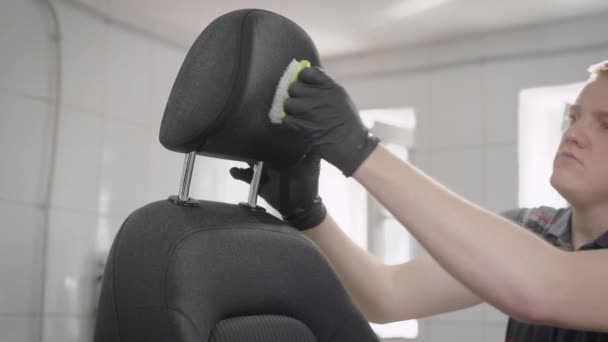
[186,270]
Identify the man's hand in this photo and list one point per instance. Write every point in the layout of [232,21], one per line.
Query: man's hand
[322,112]
[293,191]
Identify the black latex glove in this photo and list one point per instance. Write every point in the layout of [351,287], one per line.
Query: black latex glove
[321,111]
[293,191]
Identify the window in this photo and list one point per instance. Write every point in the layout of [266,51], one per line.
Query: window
[362,217]
[541,107]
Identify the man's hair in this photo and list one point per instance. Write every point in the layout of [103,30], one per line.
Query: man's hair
[598,69]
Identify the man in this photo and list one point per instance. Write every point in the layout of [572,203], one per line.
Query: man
[550,292]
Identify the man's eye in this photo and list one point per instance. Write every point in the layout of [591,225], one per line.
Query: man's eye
[604,125]
[566,122]
[569,121]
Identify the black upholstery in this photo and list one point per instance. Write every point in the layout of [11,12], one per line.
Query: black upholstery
[219,272]
[190,274]
[220,100]
[262,329]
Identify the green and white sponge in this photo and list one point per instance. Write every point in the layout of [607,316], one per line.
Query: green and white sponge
[277,112]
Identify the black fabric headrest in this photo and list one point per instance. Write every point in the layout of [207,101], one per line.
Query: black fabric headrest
[220,100]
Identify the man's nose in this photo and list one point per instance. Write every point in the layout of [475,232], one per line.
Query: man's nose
[577,133]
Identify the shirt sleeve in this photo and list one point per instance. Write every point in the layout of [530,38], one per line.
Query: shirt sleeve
[516,215]
[537,220]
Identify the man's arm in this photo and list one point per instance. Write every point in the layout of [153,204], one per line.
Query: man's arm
[415,289]
[510,268]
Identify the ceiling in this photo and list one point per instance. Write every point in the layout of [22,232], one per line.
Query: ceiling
[341,27]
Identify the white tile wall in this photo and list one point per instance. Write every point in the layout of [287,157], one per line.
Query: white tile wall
[26,52]
[107,140]
[461,171]
[390,91]
[107,228]
[396,92]
[502,82]
[494,332]
[78,161]
[456,107]
[85,59]
[19,328]
[513,42]
[570,67]
[68,329]
[21,258]
[500,169]
[422,159]
[527,43]
[25,128]
[103,5]
[457,50]
[25,133]
[71,263]
[129,72]
[124,169]
[573,33]
[493,315]
[402,59]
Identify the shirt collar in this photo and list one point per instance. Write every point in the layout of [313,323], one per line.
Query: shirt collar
[561,227]
[602,241]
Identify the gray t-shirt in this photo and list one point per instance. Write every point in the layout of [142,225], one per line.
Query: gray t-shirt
[554,226]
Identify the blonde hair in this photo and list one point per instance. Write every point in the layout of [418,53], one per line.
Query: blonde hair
[598,69]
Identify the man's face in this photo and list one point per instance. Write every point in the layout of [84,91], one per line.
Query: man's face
[580,167]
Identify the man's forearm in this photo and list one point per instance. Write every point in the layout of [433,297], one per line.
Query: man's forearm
[504,265]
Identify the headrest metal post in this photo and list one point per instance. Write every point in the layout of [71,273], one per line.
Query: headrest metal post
[184,187]
[255,184]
